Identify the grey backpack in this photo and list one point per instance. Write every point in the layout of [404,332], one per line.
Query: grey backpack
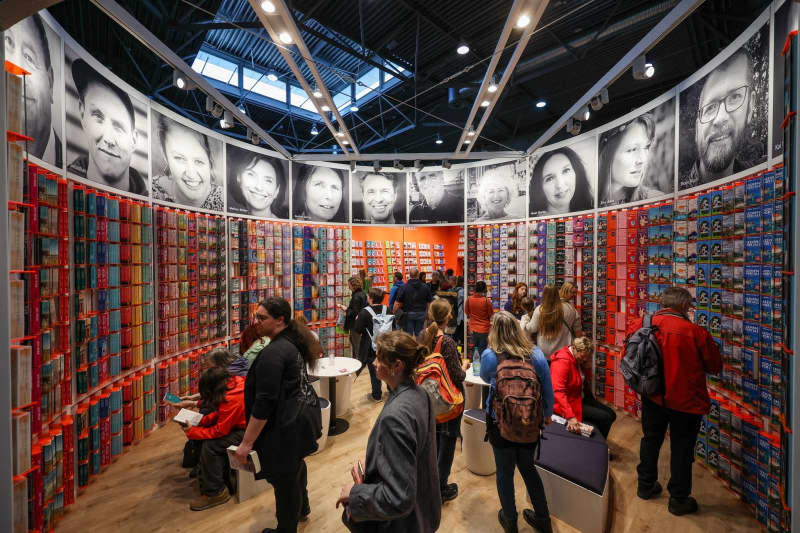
[381,323]
[642,366]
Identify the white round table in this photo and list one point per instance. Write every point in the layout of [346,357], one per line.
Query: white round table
[341,366]
[476,380]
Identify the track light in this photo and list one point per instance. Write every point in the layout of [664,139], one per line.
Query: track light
[213,107]
[492,85]
[253,137]
[438,139]
[314,130]
[316,92]
[446,164]
[242,110]
[376,166]
[641,69]
[182,82]
[285,37]
[471,131]
[226,121]
[462,49]
[398,164]
[419,165]
[523,21]
[599,100]
[267,6]
[272,76]
[582,114]
[573,126]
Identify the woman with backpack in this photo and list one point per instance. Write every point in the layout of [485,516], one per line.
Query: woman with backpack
[447,433]
[364,328]
[554,322]
[511,355]
[573,391]
[399,489]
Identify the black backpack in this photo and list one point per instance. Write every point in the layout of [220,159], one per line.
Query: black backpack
[642,366]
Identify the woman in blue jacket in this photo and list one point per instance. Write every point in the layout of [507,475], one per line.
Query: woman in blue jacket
[507,340]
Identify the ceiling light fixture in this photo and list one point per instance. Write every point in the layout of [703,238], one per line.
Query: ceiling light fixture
[314,130]
[438,139]
[599,100]
[642,69]
[353,107]
[492,85]
[267,6]
[352,166]
[285,37]
[582,114]
[462,49]
[446,164]
[397,164]
[272,76]
[325,108]
[419,165]
[467,141]
[376,166]
[226,121]
[345,142]
[340,133]
[213,107]
[242,110]
[471,131]
[253,137]
[523,21]
[182,82]
[541,103]
[573,126]
[316,92]
[485,103]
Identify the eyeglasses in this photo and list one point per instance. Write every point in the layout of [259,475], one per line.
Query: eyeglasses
[733,101]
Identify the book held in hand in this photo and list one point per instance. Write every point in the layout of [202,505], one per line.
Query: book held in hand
[253,464]
[187,417]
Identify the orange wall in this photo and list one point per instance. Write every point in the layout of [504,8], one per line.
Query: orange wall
[446,235]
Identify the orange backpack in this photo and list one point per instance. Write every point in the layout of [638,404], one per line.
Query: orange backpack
[432,375]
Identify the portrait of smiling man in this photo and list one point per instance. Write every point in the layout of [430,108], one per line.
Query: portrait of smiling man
[108,122]
[723,117]
[382,198]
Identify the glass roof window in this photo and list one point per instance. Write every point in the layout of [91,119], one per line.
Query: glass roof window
[258,83]
[216,68]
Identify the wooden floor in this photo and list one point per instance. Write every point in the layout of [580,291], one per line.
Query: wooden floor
[147,490]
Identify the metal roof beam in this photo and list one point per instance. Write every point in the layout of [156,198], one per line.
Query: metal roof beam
[653,37]
[122,17]
[411,156]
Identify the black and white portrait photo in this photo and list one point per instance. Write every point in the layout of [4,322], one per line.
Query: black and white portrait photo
[723,116]
[497,192]
[436,196]
[785,13]
[186,164]
[379,197]
[636,160]
[562,179]
[34,46]
[106,129]
[257,183]
[320,193]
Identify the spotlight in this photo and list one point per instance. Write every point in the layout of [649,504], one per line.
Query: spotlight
[352,166]
[353,107]
[583,114]
[340,133]
[485,103]
[253,137]
[419,165]
[271,76]
[438,139]
[573,126]
[376,166]
[462,49]
[397,164]
[541,103]
[314,130]
[492,85]
[599,100]
[242,110]
[325,108]
[267,6]
[285,37]
[345,142]
[523,21]
[226,121]
[316,92]
[471,132]
[467,141]
[213,107]
[182,82]
[641,69]
[446,164]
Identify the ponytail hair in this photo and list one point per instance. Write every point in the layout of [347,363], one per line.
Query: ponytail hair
[400,346]
[439,314]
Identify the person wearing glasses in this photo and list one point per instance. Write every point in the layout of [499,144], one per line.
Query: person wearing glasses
[725,110]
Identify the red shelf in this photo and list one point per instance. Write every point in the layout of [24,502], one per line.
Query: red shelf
[15,69]
[13,136]
[12,203]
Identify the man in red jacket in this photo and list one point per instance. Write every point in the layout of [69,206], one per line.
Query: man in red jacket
[222,427]
[689,354]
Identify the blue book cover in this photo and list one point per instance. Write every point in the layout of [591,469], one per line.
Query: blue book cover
[717,254]
[768,186]
[767,276]
[702,298]
[766,309]
[767,340]
[752,220]
[752,332]
[716,226]
[704,205]
[716,202]
[715,276]
[749,362]
[715,324]
[764,372]
[753,190]
[715,300]
[704,228]
[767,247]
[701,318]
[752,306]
[752,248]
[777,248]
[767,217]
[752,278]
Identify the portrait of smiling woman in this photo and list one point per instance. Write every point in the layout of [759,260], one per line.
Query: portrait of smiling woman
[560,183]
[497,192]
[320,194]
[256,183]
[185,162]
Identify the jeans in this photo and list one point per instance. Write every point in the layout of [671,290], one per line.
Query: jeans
[481,341]
[522,457]
[683,429]
[214,461]
[414,322]
[599,415]
[373,378]
[291,497]
[447,435]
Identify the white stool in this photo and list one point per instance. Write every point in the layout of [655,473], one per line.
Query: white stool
[478,454]
[344,384]
[472,396]
[248,486]
[316,384]
[325,408]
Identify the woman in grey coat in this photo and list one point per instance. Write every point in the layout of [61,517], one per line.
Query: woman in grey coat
[400,489]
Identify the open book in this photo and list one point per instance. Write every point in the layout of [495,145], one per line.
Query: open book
[586,429]
[190,418]
[253,465]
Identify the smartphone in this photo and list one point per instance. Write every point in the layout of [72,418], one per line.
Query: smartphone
[171,398]
[361,470]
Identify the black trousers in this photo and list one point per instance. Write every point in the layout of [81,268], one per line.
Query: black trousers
[214,461]
[447,435]
[291,497]
[598,414]
[683,429]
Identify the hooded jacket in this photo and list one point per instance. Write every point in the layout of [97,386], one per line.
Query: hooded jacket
[228,416]
[567,384]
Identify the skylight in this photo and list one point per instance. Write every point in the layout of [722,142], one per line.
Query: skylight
[258,83]
[216,68]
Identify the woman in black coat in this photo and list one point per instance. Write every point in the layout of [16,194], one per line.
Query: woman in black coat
[282,412]
[358,301]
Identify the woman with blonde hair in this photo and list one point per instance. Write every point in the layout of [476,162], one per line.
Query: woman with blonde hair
[447,433]
[572,388]
[507,341]
[553,322]
[514,303]
[567,292]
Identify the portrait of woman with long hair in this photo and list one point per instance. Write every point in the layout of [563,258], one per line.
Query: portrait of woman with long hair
[559,184]
[256,183]
[320,194]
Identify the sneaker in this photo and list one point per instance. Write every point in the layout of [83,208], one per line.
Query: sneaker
[539,523]
[206,501]
[508,525]
[449,492]
[647,493]
[682,506]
